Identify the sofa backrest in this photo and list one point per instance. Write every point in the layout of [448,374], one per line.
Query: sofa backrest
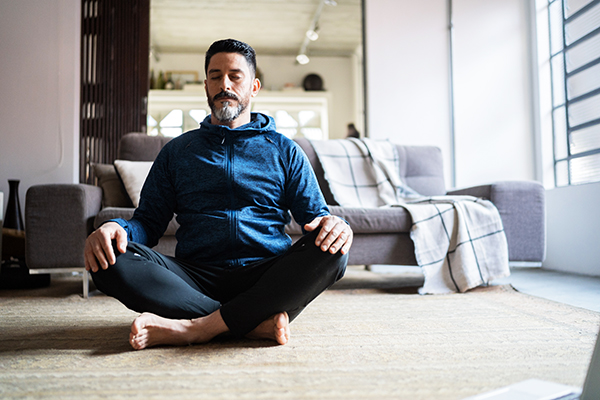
[136,146]
[421,168]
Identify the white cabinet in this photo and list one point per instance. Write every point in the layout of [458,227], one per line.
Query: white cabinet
[172,112]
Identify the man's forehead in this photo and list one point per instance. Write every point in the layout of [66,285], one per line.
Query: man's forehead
[228,62]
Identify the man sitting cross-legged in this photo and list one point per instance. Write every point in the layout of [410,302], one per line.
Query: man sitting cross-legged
[231,183]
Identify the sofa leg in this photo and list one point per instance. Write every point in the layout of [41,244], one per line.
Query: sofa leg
[86,284]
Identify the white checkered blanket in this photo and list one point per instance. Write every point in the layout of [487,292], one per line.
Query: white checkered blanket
[459,240]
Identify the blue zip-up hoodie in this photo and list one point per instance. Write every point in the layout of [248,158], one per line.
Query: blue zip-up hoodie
[231,190]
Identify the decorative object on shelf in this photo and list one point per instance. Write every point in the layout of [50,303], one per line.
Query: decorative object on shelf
[312,82]
[169,84]
[160,81]
[181,78]
[13,218]
[152,84]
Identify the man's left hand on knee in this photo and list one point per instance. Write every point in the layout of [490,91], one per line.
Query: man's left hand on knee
[335,235]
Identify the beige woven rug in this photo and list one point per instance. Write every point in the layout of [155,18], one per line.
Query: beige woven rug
[369,337]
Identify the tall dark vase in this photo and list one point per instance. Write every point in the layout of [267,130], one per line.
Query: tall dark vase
[13,218]
[14,273]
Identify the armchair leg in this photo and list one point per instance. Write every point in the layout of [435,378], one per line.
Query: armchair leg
[85,276]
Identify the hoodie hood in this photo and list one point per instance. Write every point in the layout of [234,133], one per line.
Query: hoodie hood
[258,123]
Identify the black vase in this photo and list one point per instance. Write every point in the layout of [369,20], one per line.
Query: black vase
[13,218]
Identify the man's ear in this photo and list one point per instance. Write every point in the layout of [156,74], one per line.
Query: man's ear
[255,87]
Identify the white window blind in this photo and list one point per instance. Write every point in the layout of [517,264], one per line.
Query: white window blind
[575,65]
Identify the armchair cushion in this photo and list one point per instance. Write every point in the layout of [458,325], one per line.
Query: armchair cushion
[113,191]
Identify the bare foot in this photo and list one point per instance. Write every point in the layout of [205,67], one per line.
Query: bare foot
[152,330]
[276,328]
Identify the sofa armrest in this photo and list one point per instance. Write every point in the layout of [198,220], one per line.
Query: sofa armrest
[522,207]
[58,219]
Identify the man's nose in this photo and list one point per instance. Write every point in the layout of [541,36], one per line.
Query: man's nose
[225,83]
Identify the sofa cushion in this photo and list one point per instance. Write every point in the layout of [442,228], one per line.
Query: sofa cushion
[133,175]
[109,213]
[113,191]
[422,168]
[368,220]
[136,146]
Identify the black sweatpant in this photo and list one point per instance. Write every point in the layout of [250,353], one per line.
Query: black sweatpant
[147,281]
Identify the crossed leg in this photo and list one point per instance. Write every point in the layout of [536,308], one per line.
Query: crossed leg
[151,330]
[175,310]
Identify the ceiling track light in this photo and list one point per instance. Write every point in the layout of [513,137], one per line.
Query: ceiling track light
[311,33]
[302,59]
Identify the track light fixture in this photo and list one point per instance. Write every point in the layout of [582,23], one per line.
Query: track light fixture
[302,59]
[311,33]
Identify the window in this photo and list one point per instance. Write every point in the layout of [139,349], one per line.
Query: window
[575,68]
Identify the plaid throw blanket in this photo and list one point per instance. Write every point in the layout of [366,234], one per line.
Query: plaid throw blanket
[362,173]
[459,240]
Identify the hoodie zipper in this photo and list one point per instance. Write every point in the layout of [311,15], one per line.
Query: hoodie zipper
[229,170]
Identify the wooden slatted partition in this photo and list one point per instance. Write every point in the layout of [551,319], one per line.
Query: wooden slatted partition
[115,46]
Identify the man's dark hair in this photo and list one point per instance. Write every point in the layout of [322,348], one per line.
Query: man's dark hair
[231,46]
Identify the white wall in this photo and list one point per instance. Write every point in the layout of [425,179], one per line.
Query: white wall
[39,92]
[492,85]
[407,58]
[573,228]
[277,71]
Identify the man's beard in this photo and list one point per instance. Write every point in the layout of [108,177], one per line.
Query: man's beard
[227,112]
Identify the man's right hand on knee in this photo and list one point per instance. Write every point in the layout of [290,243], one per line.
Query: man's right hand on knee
[98,252]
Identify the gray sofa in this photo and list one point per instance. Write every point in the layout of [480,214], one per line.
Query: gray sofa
[59,217]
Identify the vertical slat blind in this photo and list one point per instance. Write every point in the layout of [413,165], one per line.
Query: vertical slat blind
[115,43]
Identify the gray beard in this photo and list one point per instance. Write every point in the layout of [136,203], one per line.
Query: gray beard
[227,113]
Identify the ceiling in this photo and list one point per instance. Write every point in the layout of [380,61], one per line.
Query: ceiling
[271,27]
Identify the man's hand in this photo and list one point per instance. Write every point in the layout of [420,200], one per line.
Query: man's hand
[335,233]
[99,251]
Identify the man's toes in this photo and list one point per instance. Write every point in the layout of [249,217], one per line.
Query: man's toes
[282,320]
[283,337]
[282,328]
[138,343]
